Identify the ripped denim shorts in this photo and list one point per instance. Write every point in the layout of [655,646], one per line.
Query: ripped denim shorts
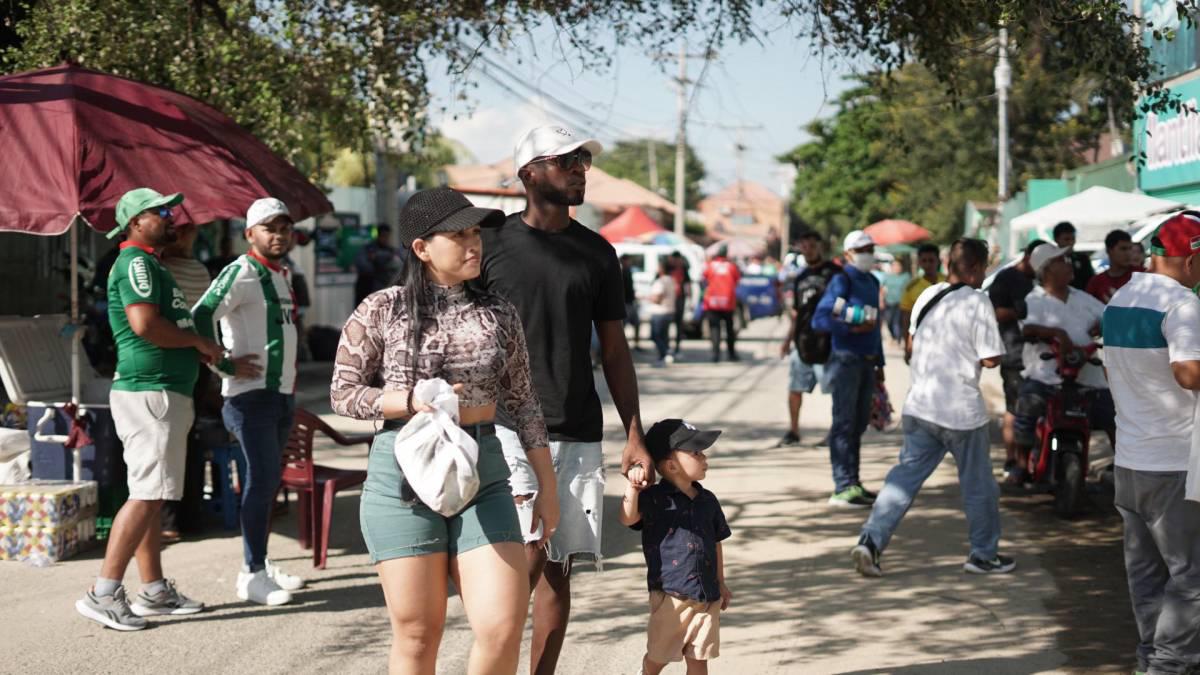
[579,468]
[396,527]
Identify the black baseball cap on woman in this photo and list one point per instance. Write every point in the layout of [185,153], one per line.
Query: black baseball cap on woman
[442,210]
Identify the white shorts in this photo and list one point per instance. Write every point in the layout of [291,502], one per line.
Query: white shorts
[579,468]
[153,426]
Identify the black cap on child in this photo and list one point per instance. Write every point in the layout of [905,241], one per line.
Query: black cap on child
[676,434]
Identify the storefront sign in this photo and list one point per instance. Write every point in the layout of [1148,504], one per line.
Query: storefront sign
[1171,142]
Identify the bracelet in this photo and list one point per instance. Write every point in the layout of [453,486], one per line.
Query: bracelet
[411,411]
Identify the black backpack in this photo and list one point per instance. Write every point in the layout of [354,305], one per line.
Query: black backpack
[814,347]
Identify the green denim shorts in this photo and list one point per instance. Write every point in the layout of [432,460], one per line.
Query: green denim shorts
[394,528]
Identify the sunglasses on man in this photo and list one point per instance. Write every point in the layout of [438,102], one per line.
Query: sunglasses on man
[568,161]
[164,212]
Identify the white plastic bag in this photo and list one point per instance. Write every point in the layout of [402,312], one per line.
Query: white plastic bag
[437,457]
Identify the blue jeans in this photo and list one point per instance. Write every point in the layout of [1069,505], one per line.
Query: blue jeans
[261,420]
[925,444]
[851,379]
[660,333]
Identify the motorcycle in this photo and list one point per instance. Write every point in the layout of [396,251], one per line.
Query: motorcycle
[1060,459]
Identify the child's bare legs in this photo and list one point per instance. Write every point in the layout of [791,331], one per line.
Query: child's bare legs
[696,667]
[651,667]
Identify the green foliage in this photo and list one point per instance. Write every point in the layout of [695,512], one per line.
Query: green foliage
[899,148]
[631,160]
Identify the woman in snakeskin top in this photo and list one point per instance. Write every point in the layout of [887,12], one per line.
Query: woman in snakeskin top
[432,325]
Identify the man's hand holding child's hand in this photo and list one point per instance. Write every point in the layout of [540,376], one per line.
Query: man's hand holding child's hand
[636,477]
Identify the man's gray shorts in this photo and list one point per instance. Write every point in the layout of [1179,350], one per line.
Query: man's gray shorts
[1162,562]
[803,377]
[579,468]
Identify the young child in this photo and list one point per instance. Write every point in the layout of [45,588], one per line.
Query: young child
[682,526]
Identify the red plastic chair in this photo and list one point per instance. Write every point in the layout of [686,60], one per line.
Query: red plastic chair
[315,484]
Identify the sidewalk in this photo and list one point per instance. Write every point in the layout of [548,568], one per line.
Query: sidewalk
[798,605]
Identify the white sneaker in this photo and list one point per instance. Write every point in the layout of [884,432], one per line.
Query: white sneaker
[260,588]
[669,358]
[288,582]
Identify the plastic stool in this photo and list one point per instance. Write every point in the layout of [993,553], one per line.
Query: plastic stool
[222,472]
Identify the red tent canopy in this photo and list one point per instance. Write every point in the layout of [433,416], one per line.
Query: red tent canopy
[889,232]
[631,224]
[74,140]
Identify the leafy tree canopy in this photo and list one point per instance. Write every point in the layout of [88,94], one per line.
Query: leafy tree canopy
[630,159]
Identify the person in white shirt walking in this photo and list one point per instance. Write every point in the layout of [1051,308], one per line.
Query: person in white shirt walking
[1152,345]
[659,306]
[253,302]
[954,335]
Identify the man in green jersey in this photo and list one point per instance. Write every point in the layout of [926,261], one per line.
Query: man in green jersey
[157,355]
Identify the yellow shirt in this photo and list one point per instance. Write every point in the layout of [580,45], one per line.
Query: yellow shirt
[914,289]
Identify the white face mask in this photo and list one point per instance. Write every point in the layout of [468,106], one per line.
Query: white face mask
[863,261]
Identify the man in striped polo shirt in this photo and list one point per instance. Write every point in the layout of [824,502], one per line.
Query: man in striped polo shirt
[1152,350]
[252,301]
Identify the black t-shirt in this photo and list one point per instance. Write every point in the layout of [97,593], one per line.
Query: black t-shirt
[1008,291]
[807,290]
[560,282]
[1084,272]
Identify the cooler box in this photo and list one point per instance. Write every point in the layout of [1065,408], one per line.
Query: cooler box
[51,519]
[35,366]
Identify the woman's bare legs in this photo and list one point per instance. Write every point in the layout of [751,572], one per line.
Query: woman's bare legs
[415,590]
[494,584]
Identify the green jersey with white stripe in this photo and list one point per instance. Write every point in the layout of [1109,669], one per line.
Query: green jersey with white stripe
[251,307]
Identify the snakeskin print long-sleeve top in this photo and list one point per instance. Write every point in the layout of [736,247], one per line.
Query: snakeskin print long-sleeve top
[476,342]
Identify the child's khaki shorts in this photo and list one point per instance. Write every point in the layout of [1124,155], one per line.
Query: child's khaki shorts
[680,628]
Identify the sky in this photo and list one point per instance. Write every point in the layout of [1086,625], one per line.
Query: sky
[776,86]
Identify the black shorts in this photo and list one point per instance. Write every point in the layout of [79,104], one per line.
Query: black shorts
[1012,387]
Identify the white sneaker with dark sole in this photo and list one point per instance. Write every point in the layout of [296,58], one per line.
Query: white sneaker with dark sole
[866,561]
[111,611]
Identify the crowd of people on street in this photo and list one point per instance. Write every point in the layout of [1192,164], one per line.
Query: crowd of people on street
[512,313]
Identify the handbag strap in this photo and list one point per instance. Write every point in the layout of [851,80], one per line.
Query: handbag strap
[934,301]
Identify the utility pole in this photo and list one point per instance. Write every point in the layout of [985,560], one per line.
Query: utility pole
[681,142]
[652,162]
[1003,82]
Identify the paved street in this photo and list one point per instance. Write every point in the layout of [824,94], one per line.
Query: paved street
[798,606]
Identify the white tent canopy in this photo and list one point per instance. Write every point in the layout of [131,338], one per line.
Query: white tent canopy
[1093,212]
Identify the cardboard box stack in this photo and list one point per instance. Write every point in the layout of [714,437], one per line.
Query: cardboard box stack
[48,519]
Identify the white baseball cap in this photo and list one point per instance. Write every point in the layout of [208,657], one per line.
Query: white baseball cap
[1043,254]
[265,209]
[550,141]
[857,239]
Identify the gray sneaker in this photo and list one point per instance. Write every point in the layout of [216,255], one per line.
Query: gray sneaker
[109,610]
[169,601]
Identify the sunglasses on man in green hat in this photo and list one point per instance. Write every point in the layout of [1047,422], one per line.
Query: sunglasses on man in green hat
[140,200]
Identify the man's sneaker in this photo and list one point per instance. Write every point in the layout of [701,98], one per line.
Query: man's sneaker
[867,493]
[851,497]
[866,558]
[168,601]
[998,565]
[288,582]
[110,610]
[260,588]
[669,359]
[789,439]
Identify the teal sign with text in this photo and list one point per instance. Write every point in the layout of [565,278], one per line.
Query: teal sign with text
[1171,142]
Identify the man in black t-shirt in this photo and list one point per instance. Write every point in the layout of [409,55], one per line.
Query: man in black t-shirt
[563,279]
[1081,263]
[805,349]
[1007,293]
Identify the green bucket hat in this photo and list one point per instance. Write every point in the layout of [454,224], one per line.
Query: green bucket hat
[137,200]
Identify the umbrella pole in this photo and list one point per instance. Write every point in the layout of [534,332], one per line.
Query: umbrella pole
[76,336]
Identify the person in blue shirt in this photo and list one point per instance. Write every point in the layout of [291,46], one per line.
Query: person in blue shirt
[849,312]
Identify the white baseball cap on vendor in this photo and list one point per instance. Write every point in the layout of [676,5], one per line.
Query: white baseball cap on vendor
[550,141]
[1043,254]
[138,200]
[263,210]
[856,240]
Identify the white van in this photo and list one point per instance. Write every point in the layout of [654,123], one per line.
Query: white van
[646,259]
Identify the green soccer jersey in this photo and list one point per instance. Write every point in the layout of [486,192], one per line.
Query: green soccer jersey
[138,278]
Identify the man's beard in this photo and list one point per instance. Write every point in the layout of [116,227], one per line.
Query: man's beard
[553,195]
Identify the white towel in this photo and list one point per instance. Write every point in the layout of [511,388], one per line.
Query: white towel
[437,457]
